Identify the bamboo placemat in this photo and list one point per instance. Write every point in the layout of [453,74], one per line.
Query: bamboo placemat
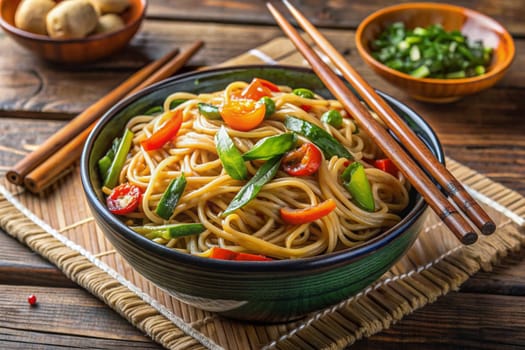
[59,226]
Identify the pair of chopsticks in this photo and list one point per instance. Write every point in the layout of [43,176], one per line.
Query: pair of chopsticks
[49,162]
[448,213]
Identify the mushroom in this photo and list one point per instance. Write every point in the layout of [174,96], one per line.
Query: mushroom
[31,15]
[71,19]
[109,23]
[110,6]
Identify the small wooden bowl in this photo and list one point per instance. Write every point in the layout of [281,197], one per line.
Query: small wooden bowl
[472,24]
[68,51]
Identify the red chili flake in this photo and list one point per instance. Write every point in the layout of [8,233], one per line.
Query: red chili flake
[31,299]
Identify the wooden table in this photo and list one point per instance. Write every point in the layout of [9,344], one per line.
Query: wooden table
[485,132]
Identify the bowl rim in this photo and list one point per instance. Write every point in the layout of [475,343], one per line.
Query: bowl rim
[502,32]
[324,261]
[95,37]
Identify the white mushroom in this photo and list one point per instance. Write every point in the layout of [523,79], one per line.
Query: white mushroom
[31,15]
[109,23]
[71,19]
[110,6]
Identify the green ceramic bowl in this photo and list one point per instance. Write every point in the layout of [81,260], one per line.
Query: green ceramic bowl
[260,291]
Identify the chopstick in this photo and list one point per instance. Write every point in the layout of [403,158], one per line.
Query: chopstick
[19,171]
[417,177]
[422,154]
[36,172]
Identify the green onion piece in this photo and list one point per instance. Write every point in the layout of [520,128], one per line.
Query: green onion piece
[403,46]
[326,142]
[271,146]
[171,196]
[175,103]
[155,110]
[420,72]
[305,93]
[230,156]
[456,75]
[415,54]
[420,31]
[249,191]
[332,117]
[356,182]
[269,105]
[442,53]
[119,160]
[170,231]
[413,39]
[479,70]
[104,163]
[209,111]
[395,63]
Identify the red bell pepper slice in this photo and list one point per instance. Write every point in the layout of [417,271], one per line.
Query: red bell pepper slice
[268,84]
[243,115]
[304,216]
[387,166]
[226,254]
[303,161]
[257,89]
[124,199]
[306,108]
[167,132]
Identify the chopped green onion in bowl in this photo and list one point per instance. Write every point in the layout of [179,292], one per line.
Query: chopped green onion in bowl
[431,52]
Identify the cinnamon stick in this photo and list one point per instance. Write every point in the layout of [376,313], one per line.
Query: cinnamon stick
[49,171]
[19,171]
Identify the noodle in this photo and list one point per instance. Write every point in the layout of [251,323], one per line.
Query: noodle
[257,227]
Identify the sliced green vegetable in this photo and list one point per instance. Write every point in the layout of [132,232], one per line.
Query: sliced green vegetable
[430,52]
[120,158]
[209,111]
[271,146]
[230,156]
[356,182]
[105,162]
[155,110]
[269,104]
[175,103]
[326,142]
[332,117]
[420,72]
[103,165]
[171,196]
[249,191]
[170,231]
[305,93]
[456,75]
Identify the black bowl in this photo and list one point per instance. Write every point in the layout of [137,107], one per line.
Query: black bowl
[268,291]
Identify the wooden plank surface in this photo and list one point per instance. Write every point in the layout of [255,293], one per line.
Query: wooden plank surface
[36,89]
[332,14]
[485,132]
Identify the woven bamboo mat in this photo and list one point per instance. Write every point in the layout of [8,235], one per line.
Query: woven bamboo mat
[59,226]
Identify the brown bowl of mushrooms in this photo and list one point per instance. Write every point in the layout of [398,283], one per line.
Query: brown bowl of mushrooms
[72,31]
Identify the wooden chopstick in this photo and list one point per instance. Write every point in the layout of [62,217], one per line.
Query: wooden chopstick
[19,171]
[434,197]
[50,170]
[455,190]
